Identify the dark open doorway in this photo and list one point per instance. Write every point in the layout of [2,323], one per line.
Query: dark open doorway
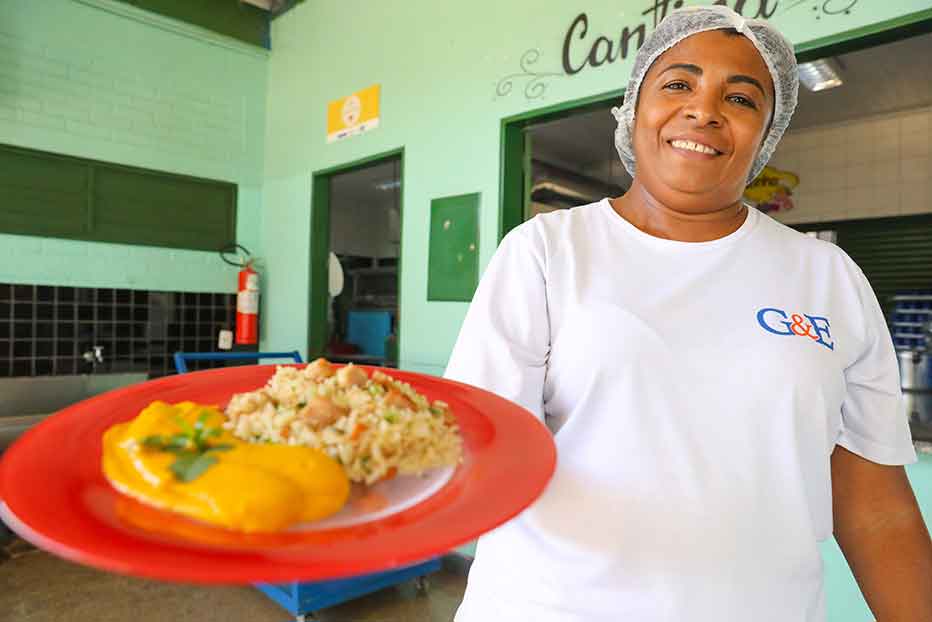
[356,261]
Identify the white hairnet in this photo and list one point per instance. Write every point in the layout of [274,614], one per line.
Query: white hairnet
[773,47]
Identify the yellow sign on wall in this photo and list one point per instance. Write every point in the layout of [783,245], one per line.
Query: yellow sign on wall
[354,114]
[771,190]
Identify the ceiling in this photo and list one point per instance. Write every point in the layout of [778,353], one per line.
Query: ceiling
[245,20]
[583,144]
[884,79]
[879,80]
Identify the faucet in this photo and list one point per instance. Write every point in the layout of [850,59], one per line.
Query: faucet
[94,356]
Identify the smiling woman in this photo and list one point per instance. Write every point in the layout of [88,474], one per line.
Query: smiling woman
[723,390]
[714,96]
[700,128]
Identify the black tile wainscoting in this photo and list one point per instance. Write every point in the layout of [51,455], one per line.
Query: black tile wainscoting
[46,330]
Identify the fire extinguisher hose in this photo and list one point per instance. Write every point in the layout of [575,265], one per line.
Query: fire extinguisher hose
[238,250]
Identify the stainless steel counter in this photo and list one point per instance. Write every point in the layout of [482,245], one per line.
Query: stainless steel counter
[25,401]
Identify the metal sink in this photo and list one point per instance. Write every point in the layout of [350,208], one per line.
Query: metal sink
[25,401]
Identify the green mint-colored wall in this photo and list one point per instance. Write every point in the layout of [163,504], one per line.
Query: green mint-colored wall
[442,67]
[103,80]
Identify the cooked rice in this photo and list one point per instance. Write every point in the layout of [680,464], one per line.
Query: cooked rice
[366,427]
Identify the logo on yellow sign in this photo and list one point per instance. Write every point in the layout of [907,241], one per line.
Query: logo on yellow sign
[354,114]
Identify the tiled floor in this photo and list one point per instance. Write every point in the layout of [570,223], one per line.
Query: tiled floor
[40,588]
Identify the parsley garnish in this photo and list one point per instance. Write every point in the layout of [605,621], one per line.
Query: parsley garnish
[191,447]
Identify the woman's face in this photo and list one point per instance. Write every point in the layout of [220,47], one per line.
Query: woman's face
[702,112]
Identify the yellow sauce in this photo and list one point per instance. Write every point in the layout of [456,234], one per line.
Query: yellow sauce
[251,487]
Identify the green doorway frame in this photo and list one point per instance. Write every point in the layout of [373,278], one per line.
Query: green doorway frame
[515,154]
[318,293]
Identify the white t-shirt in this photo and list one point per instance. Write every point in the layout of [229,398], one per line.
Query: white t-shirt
[696,392]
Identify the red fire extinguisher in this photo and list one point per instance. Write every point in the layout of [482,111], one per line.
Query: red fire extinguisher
[247,297]
[247,306]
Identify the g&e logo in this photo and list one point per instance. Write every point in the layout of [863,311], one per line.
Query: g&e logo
[800,325]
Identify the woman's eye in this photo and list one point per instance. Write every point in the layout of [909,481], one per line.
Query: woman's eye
[742,101]
[678,85]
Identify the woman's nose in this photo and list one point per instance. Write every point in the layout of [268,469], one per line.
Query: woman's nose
[704,108]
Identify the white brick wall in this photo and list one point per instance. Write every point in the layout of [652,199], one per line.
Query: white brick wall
[90,95]
[874,167]
[124,86]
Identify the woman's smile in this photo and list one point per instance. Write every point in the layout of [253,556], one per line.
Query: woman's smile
[695,148]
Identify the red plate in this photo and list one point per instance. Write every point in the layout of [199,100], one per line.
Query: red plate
[55,495]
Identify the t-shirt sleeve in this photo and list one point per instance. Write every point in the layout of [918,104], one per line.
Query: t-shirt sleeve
[874,419]
[504,342]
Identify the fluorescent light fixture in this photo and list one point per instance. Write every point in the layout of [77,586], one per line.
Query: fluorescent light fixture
[820,75]
[388,185]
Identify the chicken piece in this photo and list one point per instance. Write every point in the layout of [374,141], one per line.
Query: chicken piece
[319,370]
[320,412]
[351,376]
[396,399]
